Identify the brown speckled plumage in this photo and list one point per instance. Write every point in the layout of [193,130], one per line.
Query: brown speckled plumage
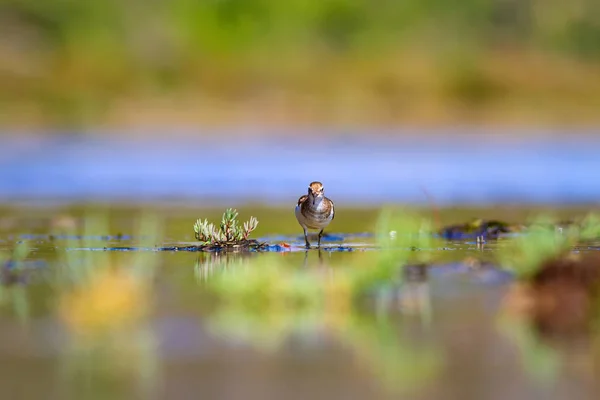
[312,213]
[314,210]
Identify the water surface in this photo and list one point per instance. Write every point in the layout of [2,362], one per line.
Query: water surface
[443,336]
[448,166]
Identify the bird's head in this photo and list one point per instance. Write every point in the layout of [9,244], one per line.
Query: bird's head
[315,191]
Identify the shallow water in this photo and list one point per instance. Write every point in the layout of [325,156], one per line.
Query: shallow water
[450,167]
[445,336]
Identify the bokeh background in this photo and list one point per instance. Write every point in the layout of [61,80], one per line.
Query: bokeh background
[473,101]
[134,63]
[123,121]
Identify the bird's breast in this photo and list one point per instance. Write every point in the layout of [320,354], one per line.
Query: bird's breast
[316,216]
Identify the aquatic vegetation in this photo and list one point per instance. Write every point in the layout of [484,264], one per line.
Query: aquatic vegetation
[268,283]
[558,290]
[589,227]
[265,300]
[403,238]
[229,232]
[12,272]
[543,240]
[13,258]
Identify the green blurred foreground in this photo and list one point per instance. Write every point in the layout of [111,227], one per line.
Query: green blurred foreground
[89,324]
[269,62]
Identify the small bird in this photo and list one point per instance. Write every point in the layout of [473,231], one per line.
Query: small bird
[314,211]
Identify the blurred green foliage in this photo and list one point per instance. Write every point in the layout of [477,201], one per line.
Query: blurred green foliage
[545,239]
[208,27]
[74,59]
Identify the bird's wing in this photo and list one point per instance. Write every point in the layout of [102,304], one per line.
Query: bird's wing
[332,210]
[302,199]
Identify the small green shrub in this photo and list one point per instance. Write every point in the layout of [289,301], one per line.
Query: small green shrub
[229,231]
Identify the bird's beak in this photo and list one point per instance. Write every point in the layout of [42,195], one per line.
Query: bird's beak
[315,196]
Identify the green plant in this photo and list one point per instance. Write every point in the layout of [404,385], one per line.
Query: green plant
[403,238]
[11,271]
[227,232]
[543,240]
[15,256]
[590,227]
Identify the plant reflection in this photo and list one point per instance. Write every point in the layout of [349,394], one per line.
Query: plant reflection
[105,306]
[13,276]
[267,301]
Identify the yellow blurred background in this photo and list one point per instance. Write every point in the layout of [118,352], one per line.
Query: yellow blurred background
[385,63]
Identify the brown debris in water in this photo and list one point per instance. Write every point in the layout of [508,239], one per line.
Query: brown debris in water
[561,297]
[233,246]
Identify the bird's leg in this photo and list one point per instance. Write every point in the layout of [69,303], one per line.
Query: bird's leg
[305,259]
[306,239]
[320,234]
